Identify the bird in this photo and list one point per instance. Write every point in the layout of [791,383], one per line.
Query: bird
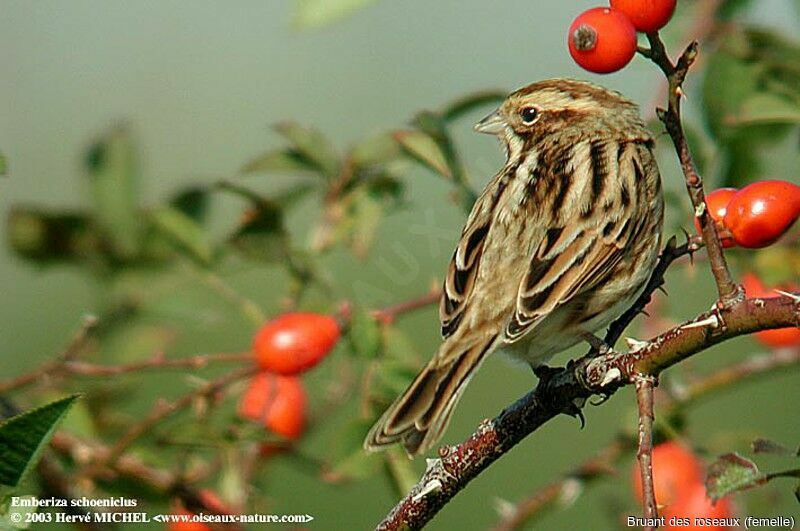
[560,242]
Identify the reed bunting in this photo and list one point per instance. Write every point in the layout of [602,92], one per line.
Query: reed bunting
[559,243]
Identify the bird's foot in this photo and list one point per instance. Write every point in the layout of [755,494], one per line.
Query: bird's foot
[546,374]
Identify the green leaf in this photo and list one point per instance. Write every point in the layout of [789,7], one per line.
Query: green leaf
[728,82]
[731,473]
[424,149]
[47,237]
[354,462]
[185,232]
[365,215]
[3,165]
[731,7]
[193,202]
[113,175]
[311,145]
[24,436]
[261,236]
[280,161]
[365,334]
[765,108]
[317,13]
[377,149]
[472,101]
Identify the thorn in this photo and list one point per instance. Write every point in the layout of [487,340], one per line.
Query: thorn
[433,485]
[634,345]
[579,414]
[795,297]
[603,399]
[679,92]
[699,210]
[430,463]
[711,320]
[613,374]
[644,312]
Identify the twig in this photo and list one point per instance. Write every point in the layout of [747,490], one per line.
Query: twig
[198,361]
[597,467]
[390,313]
[162,410]
[74,347]
[759,365]
[729,291]
[644,398]
[163,482]
[68,366]
[247,307]
[601,465]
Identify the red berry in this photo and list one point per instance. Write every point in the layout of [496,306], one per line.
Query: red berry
[761,212]
[646,16]
[675,471]
[295,342]
[278,402]
[717,204]
[602,40]
[695,511]
[780,337]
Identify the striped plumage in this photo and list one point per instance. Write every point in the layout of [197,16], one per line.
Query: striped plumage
[558,244]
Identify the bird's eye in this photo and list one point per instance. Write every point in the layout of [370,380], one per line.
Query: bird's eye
[529,115]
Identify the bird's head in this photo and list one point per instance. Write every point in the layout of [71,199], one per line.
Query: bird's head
[562,107]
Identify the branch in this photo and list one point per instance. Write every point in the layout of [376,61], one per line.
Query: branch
[162,410]
[163,482]
[644,398]
[74,347]
[594,373]
[603,462]
[597,467]
[729,291]
[69,366]
[390,313]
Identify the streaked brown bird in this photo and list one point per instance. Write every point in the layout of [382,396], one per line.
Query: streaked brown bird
[559,243]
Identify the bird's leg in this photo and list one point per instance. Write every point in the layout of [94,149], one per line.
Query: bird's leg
[546,374]
[599,346]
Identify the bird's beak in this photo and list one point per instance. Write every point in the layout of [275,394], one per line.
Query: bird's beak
[492,124]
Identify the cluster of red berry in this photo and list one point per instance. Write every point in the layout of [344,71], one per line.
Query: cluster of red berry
[284,348]
[679,489]
[603,39]
[755,216]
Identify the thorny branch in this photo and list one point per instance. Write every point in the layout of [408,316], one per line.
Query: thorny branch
[603,463]
[729,291]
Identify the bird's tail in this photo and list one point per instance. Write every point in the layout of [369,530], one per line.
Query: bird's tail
[419,416]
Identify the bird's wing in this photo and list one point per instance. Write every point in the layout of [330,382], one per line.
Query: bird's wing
[463,270]
[585,250]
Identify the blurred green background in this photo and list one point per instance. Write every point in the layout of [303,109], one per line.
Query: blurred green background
[198,84]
